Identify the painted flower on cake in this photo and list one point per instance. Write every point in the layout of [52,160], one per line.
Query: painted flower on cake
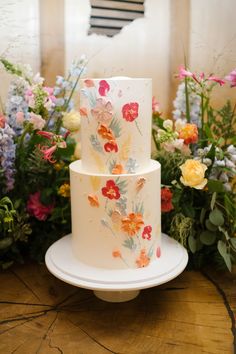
[116,254]
[36,208]
[132,223]
[130,111]
[146,234]
[111,191]
[104,87]
[102,112]
[193,173]
[189,133]
[93,200]
[158,252]
[143,260]
[111,146]
[89,83]
[166,200]
[105,132]
[118,170]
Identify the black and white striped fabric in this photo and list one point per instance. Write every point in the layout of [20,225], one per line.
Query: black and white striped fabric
[108,17]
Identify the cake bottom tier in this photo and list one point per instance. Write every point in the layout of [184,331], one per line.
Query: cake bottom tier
[116,219]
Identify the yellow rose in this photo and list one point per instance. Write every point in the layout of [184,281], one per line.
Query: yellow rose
[193,172]
[71,121]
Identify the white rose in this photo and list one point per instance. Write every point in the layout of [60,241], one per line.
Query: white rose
[71,121]
[168,124]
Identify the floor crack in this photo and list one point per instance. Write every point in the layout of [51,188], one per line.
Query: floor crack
[226,303]
[26,285]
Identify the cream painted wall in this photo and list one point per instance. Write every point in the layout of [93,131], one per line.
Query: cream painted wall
[139,50]
[19,35]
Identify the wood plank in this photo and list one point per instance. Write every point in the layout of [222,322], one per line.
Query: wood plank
[115,14]
[186,314]
[106,32]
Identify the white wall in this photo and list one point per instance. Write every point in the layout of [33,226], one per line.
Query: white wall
[19,35]
[139,50]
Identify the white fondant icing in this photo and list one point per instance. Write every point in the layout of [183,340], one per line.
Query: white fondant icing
[105,210]
[124,107]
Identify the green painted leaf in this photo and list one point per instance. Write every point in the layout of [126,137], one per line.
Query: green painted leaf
[129,243]
[216,217]
[115,126]
[210,226]
[192,244]
[207,237]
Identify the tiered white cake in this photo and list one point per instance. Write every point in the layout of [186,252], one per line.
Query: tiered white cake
[115,188]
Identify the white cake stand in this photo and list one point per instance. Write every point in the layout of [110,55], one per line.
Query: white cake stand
[116,285]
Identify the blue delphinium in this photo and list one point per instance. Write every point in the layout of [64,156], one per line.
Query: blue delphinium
[7,156]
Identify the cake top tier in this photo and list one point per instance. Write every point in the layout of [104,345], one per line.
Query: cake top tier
[116,124]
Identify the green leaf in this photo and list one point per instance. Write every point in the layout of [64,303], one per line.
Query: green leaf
[192,244]
[216,217]
[210,226]
[207,237]
[233,242]
[202,215]
[213,200]
[222,248]
[5,243]
[215,186]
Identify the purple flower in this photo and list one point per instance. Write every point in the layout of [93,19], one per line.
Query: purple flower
[7,156]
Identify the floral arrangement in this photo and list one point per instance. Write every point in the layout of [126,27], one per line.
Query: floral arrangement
[198,156]
[38,140]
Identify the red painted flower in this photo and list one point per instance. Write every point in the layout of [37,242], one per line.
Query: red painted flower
[111,191]
[104,87]
[37,209]
[166,200]
[146,234]
[111,146]
[130,111]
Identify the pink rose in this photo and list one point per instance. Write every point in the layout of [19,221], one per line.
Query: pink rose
[37,121]
[37,209]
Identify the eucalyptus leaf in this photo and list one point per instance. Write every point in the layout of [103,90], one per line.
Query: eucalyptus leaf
[233,242]
[216,217]
[192,244]
[215,186]
[210,226]
[207,237]
[202,215]
[213,200]
[222,248]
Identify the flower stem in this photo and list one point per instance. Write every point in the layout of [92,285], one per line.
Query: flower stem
[187,99]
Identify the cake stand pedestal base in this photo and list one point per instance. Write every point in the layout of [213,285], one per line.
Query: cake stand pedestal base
[115,285]
[116,296]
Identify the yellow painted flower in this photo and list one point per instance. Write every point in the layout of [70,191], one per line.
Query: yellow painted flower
[193,173]
[64,190]
[71,121]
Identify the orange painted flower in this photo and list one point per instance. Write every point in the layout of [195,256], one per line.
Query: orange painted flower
[93,200]
[105,132]
[116,254]
[116,216]
[118,170]
[132,223]
[189,133]
[143,260]
[130,111]
[89,83]
[111,191]
[140,183]
[83,112]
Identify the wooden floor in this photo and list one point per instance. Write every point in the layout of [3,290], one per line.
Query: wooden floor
[195,313]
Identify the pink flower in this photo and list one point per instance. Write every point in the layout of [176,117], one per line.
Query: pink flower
[49,101]
[48,152]
[232,78]
[155,105]
[2,121]
[37,121]
[102,112]
[104,87]
[19,118]
[158,252]
[47,135]
[184,73]
[130,111]
[37,209]
[216,79]
[29,97]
